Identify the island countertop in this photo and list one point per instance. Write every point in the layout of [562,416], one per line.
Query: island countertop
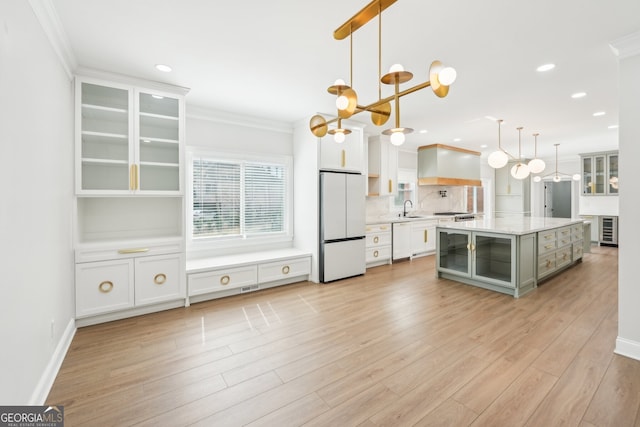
[515,226]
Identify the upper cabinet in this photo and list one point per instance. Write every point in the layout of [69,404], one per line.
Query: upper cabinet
[599,174]
[383,167]
[347,156]
[129,139]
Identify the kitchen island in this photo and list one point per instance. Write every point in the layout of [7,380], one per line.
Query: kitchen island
[508,255]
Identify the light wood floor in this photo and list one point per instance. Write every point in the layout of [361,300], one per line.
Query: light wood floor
[395,347]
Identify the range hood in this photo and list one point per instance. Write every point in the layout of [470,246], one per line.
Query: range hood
[440,164]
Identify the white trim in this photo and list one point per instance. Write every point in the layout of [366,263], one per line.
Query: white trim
[626,46]
[48,18]
[223,117]
[628,348]
[43,388]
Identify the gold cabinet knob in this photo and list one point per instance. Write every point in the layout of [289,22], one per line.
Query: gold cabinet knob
[105,287]
[286,269]
[375,254]
[160,278]
[224,280]
[376,239]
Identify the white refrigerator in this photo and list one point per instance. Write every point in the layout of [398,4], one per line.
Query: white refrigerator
[342,225]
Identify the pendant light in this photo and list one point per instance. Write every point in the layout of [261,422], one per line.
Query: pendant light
[520,170]
[556,176]
[395,76]
[498,158]
[339,134]
[536,165]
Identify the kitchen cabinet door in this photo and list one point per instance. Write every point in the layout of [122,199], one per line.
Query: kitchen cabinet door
[103,287]
[423,237]
[347,156]
[158,279]
[401,237]
[383,167]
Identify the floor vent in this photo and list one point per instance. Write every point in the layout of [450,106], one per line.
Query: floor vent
[249,288]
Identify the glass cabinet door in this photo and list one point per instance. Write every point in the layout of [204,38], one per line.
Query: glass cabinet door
[612,178]
[158,143]
[587,175]
[599,166]
[493,257]
[105,153]
[454,251]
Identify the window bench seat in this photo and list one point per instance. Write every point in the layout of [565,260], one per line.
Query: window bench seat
[221,276]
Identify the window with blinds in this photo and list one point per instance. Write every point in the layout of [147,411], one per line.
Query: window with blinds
[238,198]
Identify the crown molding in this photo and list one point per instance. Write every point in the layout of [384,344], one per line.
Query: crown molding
[50,23]
[627,46]
[224,117]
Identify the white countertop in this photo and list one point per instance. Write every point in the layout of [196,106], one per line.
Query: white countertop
[385,219]
[517,226]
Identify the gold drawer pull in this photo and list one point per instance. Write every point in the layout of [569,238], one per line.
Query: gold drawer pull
[548,246]
[375,254]
[224,280]
[426,235]
[160,278]
[548,236]
[105,287]
[133,250]
[565,255]
[384,227]
[548,263]
[286,269]
[344,158]
[376,239]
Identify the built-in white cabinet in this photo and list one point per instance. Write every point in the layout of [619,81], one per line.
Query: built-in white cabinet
[131,281]
[600,174]
[401,240]
[382,167]
[345,156]
[378,244]
[128,139]
[513,196]
[423,237]
[129,146]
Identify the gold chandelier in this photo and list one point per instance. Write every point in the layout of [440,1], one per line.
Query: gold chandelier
[440,78]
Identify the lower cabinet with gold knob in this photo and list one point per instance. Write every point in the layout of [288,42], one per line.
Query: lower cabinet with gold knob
[118,287]
[378,244]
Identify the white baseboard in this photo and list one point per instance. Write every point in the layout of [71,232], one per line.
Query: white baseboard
[628,348]
[51,371]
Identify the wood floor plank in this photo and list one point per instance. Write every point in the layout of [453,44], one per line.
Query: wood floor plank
[617,400]
[396,346]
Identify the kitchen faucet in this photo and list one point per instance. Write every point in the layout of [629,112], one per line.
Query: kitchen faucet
[404,208]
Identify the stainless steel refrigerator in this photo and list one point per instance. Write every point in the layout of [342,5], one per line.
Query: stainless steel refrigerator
[342,225]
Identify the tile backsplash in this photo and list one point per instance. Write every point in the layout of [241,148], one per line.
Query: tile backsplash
[430,199]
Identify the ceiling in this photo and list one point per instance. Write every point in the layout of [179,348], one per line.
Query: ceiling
[275,59]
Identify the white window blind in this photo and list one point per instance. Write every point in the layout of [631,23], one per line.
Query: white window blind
[238,198]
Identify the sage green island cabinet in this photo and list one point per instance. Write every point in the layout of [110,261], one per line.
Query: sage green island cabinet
[504,254]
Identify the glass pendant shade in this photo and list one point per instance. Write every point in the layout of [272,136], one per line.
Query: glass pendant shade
[339,137]
[520,171]
[498,159]
[556,178]
[447,76]
[576,177]
[536,165]
[537,179]
[397,138]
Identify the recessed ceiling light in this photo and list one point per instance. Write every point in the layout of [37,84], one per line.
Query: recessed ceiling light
[484,146]
[579,95]
[163,68]
[599,113]
[457,139]
[423,131]
[546,67]
[613,127]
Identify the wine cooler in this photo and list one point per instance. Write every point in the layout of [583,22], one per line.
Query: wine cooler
[608,230]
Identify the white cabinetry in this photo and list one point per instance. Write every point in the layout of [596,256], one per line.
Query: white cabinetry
[129,246]
[600,174]
[345,156]
[423,237]
[401,240]
[383,167]
[378,244]
[513,196]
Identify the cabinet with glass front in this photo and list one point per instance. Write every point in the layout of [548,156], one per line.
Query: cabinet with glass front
[128,139]
[599,173]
